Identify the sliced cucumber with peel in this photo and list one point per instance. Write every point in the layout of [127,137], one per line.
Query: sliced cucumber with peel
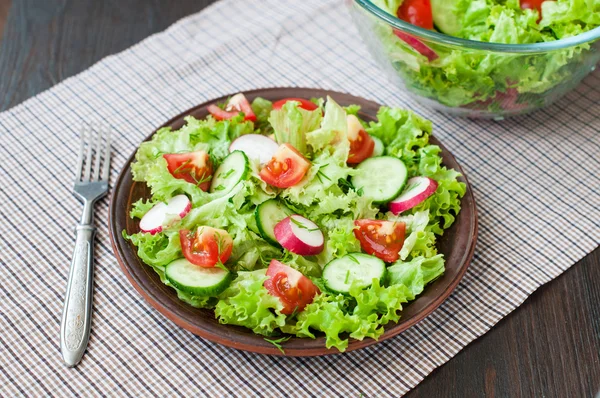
[196,280]
[268,214]
[359,268]
[381,178]
[234,169]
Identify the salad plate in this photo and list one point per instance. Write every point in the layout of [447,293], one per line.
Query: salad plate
[457,243]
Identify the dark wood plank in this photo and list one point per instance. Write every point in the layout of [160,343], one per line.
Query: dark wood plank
[548,347]
[46,41]
[4,6]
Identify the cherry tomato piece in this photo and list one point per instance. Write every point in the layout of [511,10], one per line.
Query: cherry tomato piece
[383,239]
[206,247]
[294,290]
[286,168]
[194,167]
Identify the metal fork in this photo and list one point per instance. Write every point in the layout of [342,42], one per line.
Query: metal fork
[91,184]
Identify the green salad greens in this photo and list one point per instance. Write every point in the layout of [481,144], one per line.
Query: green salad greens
[237,286]
[491,80]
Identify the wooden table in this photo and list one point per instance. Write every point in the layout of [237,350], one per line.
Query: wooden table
[549,347]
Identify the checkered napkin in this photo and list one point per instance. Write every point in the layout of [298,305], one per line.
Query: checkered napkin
[535,178]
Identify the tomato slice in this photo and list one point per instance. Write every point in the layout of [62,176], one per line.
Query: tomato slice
[194,167]
[206,247]
[383,239]
[294,290]
[533,5]
[361,143]
[416,12]
[238,103]
[286,168]
[304,103]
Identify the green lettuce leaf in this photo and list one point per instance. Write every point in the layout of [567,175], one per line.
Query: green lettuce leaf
[247,303]
[403,133]
[291,123]
[486,80]
[415,274]
[140,207]
[361,314]
[208,135]
[262,109]
[156,250]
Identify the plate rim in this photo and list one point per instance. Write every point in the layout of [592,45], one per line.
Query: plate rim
[118,242]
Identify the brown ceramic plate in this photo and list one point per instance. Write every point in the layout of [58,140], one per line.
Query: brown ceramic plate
[457,245]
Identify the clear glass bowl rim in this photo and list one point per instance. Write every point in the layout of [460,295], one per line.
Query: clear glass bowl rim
[437,37]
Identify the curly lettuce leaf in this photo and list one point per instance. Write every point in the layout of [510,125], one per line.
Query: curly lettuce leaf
[444,204]
[141,207]
[247,303]
[415,274]
[420,239]
[359,315]
[208,135]
[402,132]
[262,109]
[381,300]
[291,124]
[156,250]
[486,80]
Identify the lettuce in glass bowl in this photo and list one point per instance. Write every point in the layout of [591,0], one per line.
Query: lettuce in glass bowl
[493,59]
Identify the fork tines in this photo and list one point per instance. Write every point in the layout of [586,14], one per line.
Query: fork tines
[94,148]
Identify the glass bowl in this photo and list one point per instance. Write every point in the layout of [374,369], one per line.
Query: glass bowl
[471,78]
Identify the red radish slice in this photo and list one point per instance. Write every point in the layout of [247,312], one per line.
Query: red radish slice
[417,190]
[418,45]
[299,235]
[179,205]
[238,103]
[154,220]
[255,146]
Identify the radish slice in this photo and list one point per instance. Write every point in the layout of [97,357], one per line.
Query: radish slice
[255,146]
[299,235]
[155,219]
[417,190]
[179,205]
[235,103]
[418,45]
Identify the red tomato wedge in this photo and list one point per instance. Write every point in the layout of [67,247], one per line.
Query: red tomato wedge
[533,5]
[294,290]
[416,12]
[238,103]
[286,168]
[361,143]
[382,239]
[194,167]
[206,247]
[304,103]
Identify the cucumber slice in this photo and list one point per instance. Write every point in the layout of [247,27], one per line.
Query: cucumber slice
[379,147]
[382,178]
[267,215]
[196,280]
[235,168]
[339,274]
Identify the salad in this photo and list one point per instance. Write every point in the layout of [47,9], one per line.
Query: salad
[457,77]
[296,217]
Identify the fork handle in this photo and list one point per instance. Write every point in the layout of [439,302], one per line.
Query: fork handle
[77,310]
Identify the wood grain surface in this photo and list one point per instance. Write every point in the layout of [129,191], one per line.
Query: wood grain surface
[548,347]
